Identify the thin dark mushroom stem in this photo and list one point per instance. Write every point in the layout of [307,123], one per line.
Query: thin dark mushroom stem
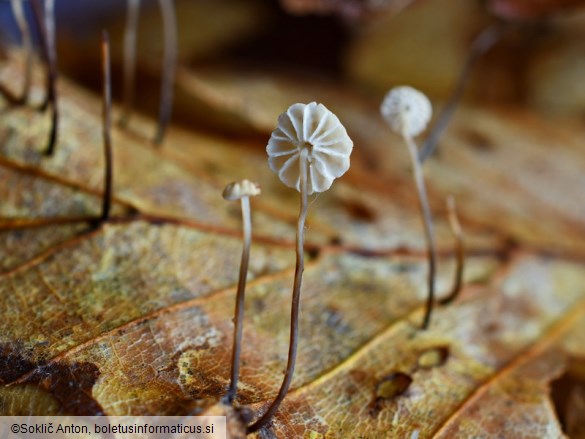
[130,33]
[49,27]
[459,250]
[21,22]
[428,226]
[46,23]
[169,67]
[296,300]
[107,125]
[239,314]
[481,45]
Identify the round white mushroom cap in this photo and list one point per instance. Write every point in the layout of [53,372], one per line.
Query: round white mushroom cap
[239,189]
[406,110]
[314,128]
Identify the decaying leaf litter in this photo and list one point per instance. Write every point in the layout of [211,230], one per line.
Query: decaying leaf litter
[111,307]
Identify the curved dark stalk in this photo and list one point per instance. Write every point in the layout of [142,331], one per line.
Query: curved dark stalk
[46,23]
[20,17]
[428,226]
[169,67]
[481,45]
[107,125]
[130,59]
[51,51]
[459,250]
[296,301]
[239,314]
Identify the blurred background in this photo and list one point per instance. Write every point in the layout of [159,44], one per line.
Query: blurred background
[368,45]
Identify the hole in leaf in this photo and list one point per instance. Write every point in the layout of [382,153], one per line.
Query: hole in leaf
[387,388]
[393,385]
[478,141]
[336,240]
[313,253]
[568,395]
[433,357]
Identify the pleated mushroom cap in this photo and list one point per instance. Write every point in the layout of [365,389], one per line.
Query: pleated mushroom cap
[315,128]
[239,189]
[406,110]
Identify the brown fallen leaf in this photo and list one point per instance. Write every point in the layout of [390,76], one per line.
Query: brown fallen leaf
[136,314]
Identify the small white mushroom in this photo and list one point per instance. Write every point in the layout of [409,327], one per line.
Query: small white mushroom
[308,150]
[408,112]
[313,134]
[240,190]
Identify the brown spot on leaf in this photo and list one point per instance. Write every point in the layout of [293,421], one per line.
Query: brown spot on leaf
[393,385]
[478,141]
[433,357]
[312,252]
[358,210]
[336,240]
[389,387]
[15,361]
[69,384]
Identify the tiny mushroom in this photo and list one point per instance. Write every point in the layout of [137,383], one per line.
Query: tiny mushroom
[308,150]
[241,190]
[408,111]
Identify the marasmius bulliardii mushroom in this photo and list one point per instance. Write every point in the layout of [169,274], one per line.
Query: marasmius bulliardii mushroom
[408,112]
[308,150]
[240,190]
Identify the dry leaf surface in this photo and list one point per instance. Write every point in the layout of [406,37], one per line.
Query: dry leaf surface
[134,317]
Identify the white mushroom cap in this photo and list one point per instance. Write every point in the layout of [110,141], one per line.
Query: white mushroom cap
[315,128]
[406,110]
[239,189]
